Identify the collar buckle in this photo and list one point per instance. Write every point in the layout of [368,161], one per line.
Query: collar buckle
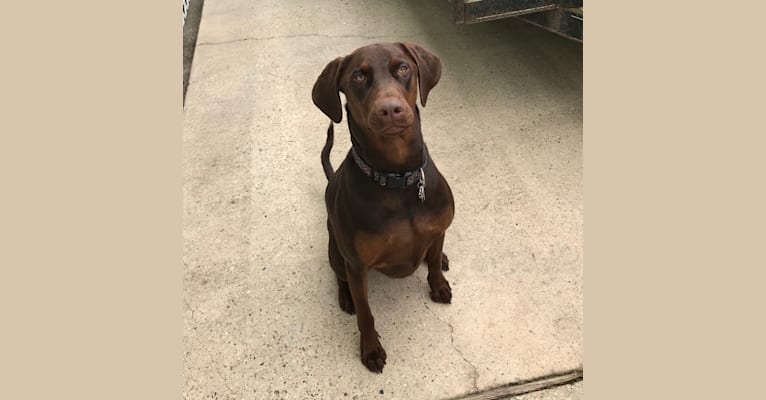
[394,181]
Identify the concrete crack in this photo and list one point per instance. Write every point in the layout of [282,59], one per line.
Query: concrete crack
[213,362]
[299,35]
[291,36]
[188,307]
[474,370]
[209,354]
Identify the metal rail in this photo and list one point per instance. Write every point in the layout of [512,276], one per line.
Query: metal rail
[564,17]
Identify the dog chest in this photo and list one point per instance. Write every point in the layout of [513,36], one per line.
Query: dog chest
[402,244]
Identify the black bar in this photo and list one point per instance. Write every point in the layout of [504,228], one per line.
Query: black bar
[567,22]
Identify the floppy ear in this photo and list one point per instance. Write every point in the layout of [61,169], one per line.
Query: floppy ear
[325,92]
[429,68]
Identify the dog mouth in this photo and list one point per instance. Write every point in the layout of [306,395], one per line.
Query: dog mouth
[392,130]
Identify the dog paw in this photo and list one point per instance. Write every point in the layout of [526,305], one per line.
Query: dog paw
[344,298]
[373,356]
[445,262]
[442,293]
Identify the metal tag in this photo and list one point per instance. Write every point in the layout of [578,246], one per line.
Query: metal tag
[422,186]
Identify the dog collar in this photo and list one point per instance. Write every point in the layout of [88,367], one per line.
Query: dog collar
[391,180]
[394,180]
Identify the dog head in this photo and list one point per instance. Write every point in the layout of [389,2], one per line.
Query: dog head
[381,83]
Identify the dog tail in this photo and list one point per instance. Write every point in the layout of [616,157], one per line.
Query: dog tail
[328,171]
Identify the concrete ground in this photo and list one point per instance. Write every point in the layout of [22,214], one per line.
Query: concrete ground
[569,392]
[504,126]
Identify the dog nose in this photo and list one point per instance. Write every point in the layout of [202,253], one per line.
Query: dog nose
[390,108]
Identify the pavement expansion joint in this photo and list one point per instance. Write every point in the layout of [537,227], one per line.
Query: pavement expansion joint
[319,35]
[474,370]
[526,386]
[292,36]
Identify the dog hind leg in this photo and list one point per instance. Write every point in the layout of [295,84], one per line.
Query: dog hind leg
[338,265]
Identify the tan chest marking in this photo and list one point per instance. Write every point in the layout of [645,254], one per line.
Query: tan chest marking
[402,242]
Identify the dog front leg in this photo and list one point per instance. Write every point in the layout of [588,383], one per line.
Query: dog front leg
[440,289]
[372,353]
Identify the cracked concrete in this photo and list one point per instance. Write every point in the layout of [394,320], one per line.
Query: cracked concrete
[505,127]
[474,371]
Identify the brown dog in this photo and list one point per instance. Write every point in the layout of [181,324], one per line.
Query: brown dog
[387,205]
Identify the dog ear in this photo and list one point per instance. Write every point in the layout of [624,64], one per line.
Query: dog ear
[429,68]
[325,92]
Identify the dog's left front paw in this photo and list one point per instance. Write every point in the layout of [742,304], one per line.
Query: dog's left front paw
[373,354]
[442,293]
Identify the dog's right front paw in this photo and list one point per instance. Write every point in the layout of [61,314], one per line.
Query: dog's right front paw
[373,355]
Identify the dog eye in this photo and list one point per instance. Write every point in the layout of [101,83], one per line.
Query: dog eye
[358,77]
[403,69]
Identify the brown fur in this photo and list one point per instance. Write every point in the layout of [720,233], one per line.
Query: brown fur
[371,227]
